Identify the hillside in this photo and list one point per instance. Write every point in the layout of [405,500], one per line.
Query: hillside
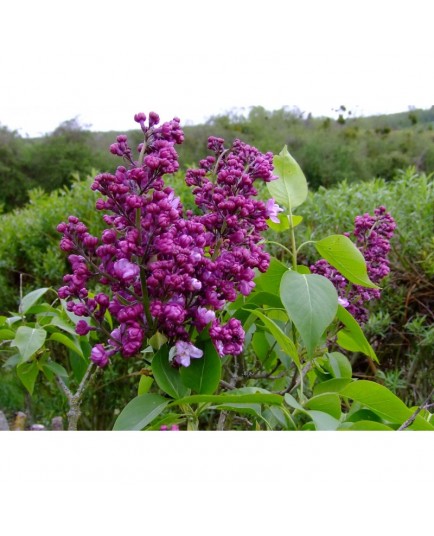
[328,150]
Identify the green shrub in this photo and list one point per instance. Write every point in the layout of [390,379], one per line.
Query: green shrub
[29,242]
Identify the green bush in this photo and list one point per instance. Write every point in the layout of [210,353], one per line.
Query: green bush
[29,242]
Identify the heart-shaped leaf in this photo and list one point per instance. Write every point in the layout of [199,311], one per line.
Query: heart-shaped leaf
[311,302]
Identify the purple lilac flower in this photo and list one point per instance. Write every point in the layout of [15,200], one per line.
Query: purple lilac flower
[272,210]
[185,351]
[373,235]
[165,269]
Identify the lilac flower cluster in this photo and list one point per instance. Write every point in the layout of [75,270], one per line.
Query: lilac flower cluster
[372,235]
[165,270]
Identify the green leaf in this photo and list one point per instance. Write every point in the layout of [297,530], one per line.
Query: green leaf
[78,366]
[311,302]
[282,340]
[30,299]
[27,373]
[292,402]
[352,337]
[203,375]
[42,310]
[29,341]
[363,415]
[290,189]
[264,298]
[366,426]
[7,335]
[262,348]
[12,361]
[338,365]
[57,369]
[86,347]
[157,340]
[340,252]
[283,224]
[294,220]
[249,409]
[282,418]
[167,377]
[12,320]
[302,269]
[62,324]
[145,384]
[323,421]
[140,411]
[383,402]
[270,280]
[254,398]
[331,386]
[328,403]
[69,342]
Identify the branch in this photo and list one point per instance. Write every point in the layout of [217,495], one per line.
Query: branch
[64,388]
[293,385]
[425,405]
[231,385]
[74,399]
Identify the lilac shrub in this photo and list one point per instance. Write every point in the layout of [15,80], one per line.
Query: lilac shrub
[372,235]
[164,269]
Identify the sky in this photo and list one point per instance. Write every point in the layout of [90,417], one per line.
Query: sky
[103,61]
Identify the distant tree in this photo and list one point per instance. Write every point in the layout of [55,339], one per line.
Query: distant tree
[13,181]
[50,161]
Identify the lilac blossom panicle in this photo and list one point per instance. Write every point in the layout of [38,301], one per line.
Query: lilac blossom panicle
[165,270]
[372,235]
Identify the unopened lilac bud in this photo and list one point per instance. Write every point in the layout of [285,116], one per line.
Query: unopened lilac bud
[90,241]
[80,309]
[140,117]
[102,299]
[152,162]
[109,236]
[63,292]
[154,119]
[66,244]
[82,328]
[99,355]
